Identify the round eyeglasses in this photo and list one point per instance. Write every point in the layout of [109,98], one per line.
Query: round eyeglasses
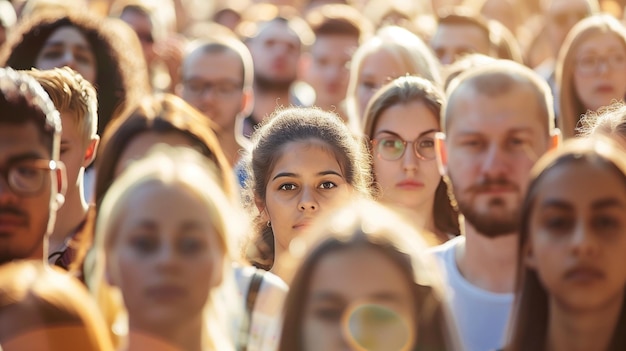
[27,177]
[392,148]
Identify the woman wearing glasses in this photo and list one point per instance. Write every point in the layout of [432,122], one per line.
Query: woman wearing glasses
[401,122]
[591,70]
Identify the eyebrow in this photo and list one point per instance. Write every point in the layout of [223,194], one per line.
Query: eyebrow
[398,135]
[294,175]
[607,202]
[61,43]
[26,156]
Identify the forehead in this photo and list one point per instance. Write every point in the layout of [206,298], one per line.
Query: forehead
[449,34]
[599,41]
[278,31]
[18,140]
[337,44]
[383,63]
[68,34]
[224,63]
[517,108]
[560,6]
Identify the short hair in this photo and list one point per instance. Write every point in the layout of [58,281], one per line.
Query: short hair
[405,90]
[70,92]
[338,19]
[571,107]
[496,79]
[462,16]
[221,44]
[258,16]
[23,100]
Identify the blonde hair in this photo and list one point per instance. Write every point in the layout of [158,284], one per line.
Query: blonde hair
[407,49]
[70,92]
[190,170]
[570,105]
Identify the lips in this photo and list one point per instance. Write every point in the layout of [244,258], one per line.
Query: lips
[604,89]
[302,224]
[410,184]
[10,222]
[584,275]
[166,292]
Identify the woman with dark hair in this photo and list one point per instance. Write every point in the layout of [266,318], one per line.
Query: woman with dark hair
[571,279]
[366,283]
[103,51]
[400,124]
[303,162]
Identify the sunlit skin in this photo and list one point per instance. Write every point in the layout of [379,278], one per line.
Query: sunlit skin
[165,258]
[377,69]
[608,81]
[409,182]
[306,181]
[576,245]
[67,46]
[276,51]
[452,41]
[343,279]
[562,15]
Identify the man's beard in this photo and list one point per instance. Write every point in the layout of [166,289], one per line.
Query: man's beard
[498,221]
[267,84]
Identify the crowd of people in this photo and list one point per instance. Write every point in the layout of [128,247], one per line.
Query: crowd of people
[313,175]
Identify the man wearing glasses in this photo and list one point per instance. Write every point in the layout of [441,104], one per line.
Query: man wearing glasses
[31,176]
[217,80]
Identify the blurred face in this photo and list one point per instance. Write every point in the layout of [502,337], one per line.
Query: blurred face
[306,181]
[142,25]
[142,143]
[377,69]
[452,41]
[275,53]
[213,84]
[492,142]
[24,219]
[72,151]
[578,237]
[67,46]
[165,256]
[327,72]
[344,280]
[600,70]
[410,180]
[562,15]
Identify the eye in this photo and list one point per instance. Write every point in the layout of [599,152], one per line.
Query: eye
[426,143]
[559,223]
[83,58]
[605,222]
[515,142]
[287,187]
[144,243]
[327,185]
[52,54]
[474,143]
[328,314]
[369,85]
[190,245]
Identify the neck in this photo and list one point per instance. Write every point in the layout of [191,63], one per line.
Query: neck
[69,216]
[265,102]
[582,330]
[186,336]
[230,145]
[488,263]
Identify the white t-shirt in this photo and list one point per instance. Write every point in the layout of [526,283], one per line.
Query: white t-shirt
[480,316]
[268,308]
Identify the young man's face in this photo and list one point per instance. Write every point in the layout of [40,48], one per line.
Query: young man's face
[73,148]
[492,142]
[452,41]
[327,69]
[24,219]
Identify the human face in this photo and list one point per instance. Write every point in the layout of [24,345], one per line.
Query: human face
[345,279]
[142,25]
[276,53]
[142,143]
[452,41]
[561,16]
[67,46]
[305,181]
[24,220]
[73,150]
[377,69]
[213,84]
[410,181]
[578,236]
[492,142]
[600,70]
[165,256]
[328,73]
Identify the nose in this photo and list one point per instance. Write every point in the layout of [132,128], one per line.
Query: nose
[167,257]
[307,200]
[409,159]
[583,242]
[6,194]
[69,59]
[495,162]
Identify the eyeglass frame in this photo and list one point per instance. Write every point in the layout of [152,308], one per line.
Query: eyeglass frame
[598,61]
[376,140]
[215,87]
[39,164]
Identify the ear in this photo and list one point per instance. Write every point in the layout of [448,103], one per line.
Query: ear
[442,153]
[247,102]
[90,152]
[262,209]
[556,139]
